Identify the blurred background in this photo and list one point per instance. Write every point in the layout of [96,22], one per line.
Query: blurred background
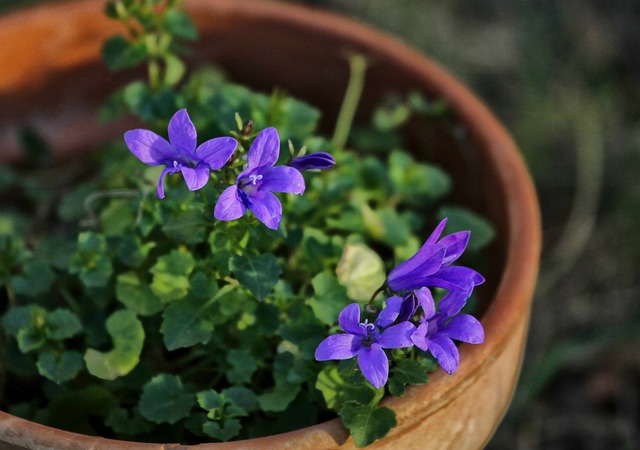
[564,77]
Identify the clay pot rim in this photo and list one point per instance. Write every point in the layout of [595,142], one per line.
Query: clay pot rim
[514,291]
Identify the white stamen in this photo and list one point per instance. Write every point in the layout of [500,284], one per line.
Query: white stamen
[255,178]
[367,326]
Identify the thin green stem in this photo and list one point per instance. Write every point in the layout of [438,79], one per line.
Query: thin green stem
[375,294]
[69,299]
[154,73]
[357,70]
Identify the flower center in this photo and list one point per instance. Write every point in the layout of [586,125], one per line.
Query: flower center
[369,330]
[254,178]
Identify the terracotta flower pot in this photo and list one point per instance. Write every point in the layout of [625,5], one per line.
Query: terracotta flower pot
[53,80]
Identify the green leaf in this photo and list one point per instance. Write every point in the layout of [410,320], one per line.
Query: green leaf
[138,98]
[336,390]
[30,339]
[386,225]
[329,299]
[367,423]
[259,274]
[186,322]
[213,402]
[23,317]
[361,271]
[71,207]
[136,295]
[179,24]
[165,400]
[243,365]
[36,279]
[174,71]
[391,117]
[131,251]
[416,182]
[186,226]
[459,219]
[118,217]
[170,275]
[224,431]
[57,251]
[128,337]
[406,371]
[298,119]
[60,368]
[62,324]
[242,397]
[91,261]
[280,397]
[129,423]
[118,53]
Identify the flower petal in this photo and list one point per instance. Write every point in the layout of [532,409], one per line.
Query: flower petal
[267,208]
[390,312]
[419,337]
[149,147]
[409,306]
[435,235]
[265,149]
[195,178]
[374,365]
[216,152]
[160,188]
[397,336]
[338,346]
[409,274]
[349,319]
[455,243]
[425,299]
[445,351]
[454,278]
[454,301]
[229,205]
[465,328]
[182,132]
[282,179]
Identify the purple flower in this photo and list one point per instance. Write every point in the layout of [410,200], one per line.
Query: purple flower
[367,340]
[431,265]
[180,153]
[438,329]
[254,187]
[319,160]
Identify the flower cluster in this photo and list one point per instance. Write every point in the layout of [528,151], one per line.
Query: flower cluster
[410,316]
[254,186]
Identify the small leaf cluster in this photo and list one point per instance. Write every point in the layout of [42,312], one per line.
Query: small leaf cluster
[154,31]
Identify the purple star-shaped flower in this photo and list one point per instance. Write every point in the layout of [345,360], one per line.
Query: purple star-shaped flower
[438,329]
[367,340]
[180,154]
[254,186]
[431,265]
